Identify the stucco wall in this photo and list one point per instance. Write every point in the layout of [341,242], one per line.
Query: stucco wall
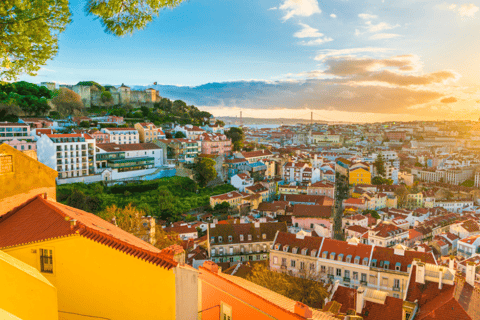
[28,178]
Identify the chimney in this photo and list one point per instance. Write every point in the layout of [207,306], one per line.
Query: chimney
[451,263]
[73,223]
[360,300]
[440,279]
[212,225]
[420,276]
[471,273]
[303,310]
[211,266]
[45,196]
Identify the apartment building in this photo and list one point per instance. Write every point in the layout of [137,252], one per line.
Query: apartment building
[129,157]
[238,242]
[183,150]
[148,132]
[454,205]
[350,262]
[190,131]
[322,188]
[300,172]
[99,136]
[122,135]
[215,143]
[17,135]
[387,234]
[72,155]
[469,246]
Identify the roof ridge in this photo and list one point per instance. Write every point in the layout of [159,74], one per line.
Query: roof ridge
[15,209]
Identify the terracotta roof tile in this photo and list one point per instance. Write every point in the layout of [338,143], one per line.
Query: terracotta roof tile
[39,219]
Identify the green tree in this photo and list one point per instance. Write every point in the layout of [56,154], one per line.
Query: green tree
[205,171]
[30,98]
[29,33]
[373,213]
[237,136]
[128,218]
[379,165]
[179,135]
[29,30]
[165,239]
[106,97]
[145,111]
[68,102]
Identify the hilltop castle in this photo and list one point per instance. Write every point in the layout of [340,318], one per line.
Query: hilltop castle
[92,96]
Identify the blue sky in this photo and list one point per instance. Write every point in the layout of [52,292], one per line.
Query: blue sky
[340,58]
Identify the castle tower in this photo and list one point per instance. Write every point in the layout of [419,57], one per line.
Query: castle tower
[124,94]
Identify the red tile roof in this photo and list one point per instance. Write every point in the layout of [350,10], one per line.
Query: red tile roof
[321,200]
[39,219]
[342,247]
[382,254]
[393,307]
[312,211]
[434,303]
[288,241]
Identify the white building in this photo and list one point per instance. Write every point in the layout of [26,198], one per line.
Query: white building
[123,135]
[128,157]
[190,132]
[241,181]
[468,246]
[454,205]
[300,172]
[72,155]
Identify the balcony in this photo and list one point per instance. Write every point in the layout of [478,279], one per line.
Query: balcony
[396,288]
[331,276]
[364,283]
[346,279]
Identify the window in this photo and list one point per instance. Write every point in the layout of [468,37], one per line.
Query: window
[249,237]
[213,252]
[264,236]
[46,260]
[355,275]
[312,266]
[364,277]
[275,260]
[284,261]
[339,272]
[396,283]
[225,312]
[220,239]
[384,282]
[322,269]
[373,280]
[311,225]
[292,263]
[241,237]
[212,239]
[230,238]
[347,273]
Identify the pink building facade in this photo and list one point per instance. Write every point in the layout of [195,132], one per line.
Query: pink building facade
[215,143]
[309,223]
[100,137]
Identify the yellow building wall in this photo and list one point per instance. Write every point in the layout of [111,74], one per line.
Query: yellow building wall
[22,178]
[141,132]
[98,281]
[24,292]
[360,176]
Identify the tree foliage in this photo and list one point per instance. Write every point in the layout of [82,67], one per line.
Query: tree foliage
[106,97]
[237,136]
[128,218]
[205,170]
[29,30]
[165,239]
[29,34]
[379,165]
[68,102]
[380,180]
[305,288]
[30,98]
[179,135]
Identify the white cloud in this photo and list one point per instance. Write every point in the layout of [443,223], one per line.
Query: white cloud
[303,8]
[467,10]
[273,8]
[342,52]
[452,7]
[307,32]
[380,36]
[315,42]
[333,15]
[379,27]
[367,16]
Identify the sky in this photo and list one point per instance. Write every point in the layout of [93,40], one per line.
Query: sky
[344,60]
